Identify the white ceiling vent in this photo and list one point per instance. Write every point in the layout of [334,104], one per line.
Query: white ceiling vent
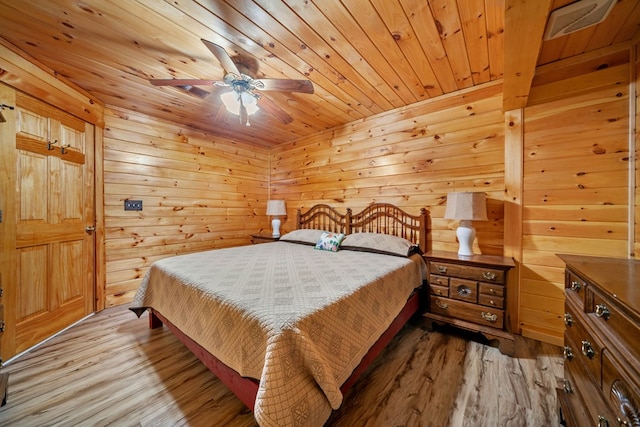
[577,16]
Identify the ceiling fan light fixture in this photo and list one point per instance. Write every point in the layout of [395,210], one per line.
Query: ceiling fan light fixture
[231,101]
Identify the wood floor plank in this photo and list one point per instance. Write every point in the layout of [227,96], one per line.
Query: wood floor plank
[111,369]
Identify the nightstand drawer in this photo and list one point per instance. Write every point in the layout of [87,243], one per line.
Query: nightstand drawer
[490,289]
[464,290]
[491,301]
[481,274]
[467,311]
[434,279]
[442,291]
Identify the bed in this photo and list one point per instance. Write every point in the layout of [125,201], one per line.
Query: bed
[289,326]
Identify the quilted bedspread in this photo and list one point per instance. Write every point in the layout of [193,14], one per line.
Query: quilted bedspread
[298,319]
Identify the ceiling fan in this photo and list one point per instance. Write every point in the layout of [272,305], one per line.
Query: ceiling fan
[244,97]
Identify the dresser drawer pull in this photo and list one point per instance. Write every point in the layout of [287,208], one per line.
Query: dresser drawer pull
[575,286]
[602,311]
[567,353]
[442,305]
[602,421]
[488,275]
[587,349]
[567,387]
[489,317]
[442,269]
[568,319]
[624,404]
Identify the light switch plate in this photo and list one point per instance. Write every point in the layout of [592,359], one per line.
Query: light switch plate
[133,205]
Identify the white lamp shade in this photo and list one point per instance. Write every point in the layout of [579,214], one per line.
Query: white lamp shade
[276,208]
[466,206]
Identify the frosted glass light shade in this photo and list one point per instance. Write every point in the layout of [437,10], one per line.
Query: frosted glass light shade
[231,101]
[466,206]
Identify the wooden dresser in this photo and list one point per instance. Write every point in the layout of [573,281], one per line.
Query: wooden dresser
[601,342]
[470,292]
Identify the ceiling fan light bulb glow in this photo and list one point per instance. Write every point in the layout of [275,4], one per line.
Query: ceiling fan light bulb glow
[231,101]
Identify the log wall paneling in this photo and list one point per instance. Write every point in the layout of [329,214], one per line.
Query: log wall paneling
[575,190]
[411,157]
[636,73]
[199,192]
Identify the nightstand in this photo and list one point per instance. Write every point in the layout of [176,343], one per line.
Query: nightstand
[470,292]
[263,238]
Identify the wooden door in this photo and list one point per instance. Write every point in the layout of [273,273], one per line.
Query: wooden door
[55,219]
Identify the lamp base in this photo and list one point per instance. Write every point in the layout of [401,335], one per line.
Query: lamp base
[275,224]
[466,235]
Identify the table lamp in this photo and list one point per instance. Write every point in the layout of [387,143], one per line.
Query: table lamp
[466,206]
[276,208]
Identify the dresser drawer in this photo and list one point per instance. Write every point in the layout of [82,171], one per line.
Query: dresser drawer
[583,346]
[585,398]
[621,386]
[463,290]
[467,311]
[574,284]
[607,317]
[467,272]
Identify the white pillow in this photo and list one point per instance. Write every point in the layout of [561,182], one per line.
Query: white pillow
[308,236]
[379,243]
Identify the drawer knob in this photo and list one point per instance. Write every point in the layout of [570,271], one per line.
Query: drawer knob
[587,349]
[489,275]
[492,291]
[568,319]
[602,421]
[442,269]
[602,311]
[567,352]
[489,317]
[442,305]
[464,291]
[575,286]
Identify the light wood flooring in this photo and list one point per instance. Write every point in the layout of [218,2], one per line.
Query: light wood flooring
[111,369]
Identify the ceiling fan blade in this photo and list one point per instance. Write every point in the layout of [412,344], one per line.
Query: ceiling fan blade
[272,108]
[284,85]
[185,82]
[222,56]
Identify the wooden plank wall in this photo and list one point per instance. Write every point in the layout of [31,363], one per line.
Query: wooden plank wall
[198,192]
[636,60]
[411,157]
[575,185]
[576,169]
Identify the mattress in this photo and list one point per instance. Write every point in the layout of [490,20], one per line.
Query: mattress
[297,319]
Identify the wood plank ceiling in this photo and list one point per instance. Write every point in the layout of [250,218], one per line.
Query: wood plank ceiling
[363,56]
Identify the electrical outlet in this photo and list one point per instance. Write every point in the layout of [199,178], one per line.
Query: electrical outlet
[133,205]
